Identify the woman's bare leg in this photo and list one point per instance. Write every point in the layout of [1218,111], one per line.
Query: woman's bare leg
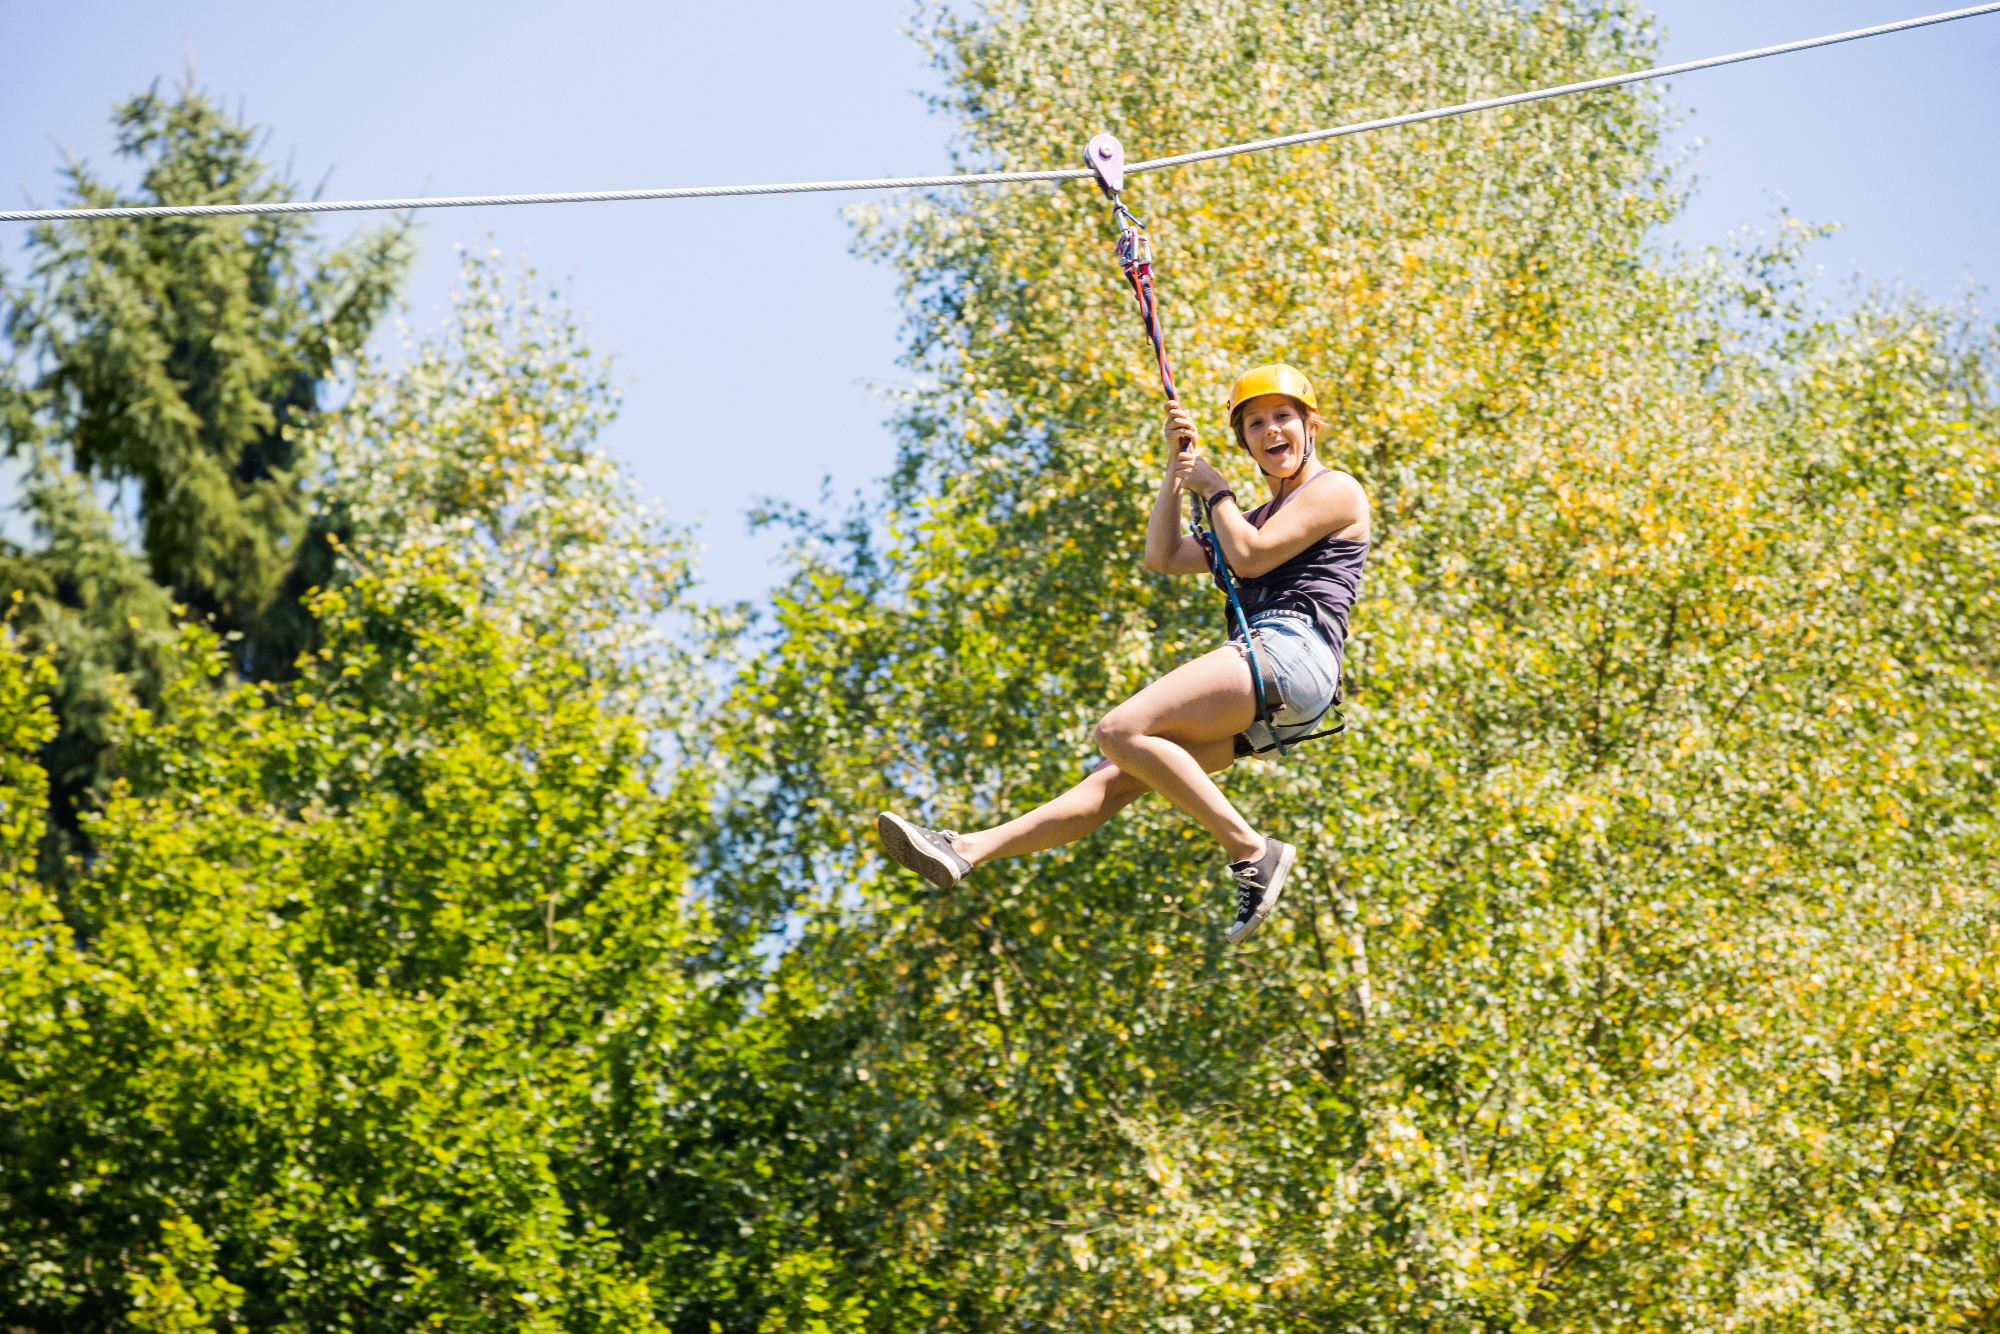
[1149,735]
[1077,813]
[1167,738]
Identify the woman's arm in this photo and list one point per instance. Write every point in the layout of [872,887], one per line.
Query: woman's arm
[1333,506]
[1168,549]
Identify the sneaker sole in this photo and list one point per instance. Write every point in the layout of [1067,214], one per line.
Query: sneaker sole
[1279,875]
[909,850]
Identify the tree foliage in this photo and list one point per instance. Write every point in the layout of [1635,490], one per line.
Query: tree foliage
[479,452]
[377,1004]
[1640,972]
[486,972]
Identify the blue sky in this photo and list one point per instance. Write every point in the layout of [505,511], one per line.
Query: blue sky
[1898,139]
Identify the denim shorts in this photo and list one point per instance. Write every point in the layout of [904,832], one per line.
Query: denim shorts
[1295,660]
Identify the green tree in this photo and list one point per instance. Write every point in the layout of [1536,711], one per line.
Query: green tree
[385,1001]
[169,360]
[1640,972]
[478,455]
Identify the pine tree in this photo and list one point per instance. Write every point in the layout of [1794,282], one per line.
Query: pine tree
[167,362]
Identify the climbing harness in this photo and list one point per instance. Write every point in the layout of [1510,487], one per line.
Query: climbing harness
[1135,256]
[987,177]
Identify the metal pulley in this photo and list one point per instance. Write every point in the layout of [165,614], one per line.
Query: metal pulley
[1105,157]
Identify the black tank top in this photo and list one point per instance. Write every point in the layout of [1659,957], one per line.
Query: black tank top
[1320,583]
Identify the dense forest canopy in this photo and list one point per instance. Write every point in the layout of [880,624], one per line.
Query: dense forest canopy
[481,964]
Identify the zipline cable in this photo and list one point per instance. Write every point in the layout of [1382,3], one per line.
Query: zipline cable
[1561,90]
[989,177]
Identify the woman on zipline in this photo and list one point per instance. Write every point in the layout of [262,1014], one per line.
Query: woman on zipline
[1298,559]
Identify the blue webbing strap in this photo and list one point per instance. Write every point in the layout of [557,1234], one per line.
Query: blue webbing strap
[1225,579]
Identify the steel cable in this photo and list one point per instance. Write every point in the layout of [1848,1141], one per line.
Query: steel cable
[989,177]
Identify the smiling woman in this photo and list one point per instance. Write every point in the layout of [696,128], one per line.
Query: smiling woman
[1298,558]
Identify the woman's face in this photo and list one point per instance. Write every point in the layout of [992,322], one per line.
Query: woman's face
[1274,429]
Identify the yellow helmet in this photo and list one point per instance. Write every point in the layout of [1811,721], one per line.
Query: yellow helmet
[1275,379]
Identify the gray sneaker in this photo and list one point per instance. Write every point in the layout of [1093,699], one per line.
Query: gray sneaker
[928,852]
[1258,885]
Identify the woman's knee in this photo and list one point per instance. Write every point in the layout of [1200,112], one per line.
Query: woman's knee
[1116,731]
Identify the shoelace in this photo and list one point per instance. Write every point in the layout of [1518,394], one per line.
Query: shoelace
[1249,893]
